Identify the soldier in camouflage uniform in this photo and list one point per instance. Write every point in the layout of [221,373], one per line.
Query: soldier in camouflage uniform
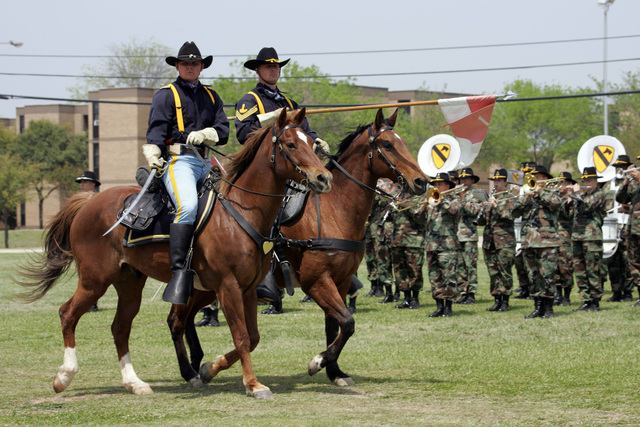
[589,210]
[442,245]
[521,270]
[616,265]
[540,244]
[385,267]
[629,193]
[499,241]
[468,238]
[407,256]
[564,283]
[373,237]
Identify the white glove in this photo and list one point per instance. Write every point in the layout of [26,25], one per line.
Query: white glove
[152,153]
[268,119]
[208,135]
[323,144]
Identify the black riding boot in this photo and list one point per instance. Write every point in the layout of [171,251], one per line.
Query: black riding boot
[538,310]
[439,309]
[548,308]
[389,295]
[352,304]
[498,303]
[448,312]
[505,303]
[180,287]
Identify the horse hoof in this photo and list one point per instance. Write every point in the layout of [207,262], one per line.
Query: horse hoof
[262,394]
[139,389]
[315,365]
[197,382]
[58,386]
[344,382]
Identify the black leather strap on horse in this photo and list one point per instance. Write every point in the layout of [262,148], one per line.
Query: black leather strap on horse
[326,243]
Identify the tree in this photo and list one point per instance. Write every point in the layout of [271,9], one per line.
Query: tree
[544,131]
[57,156]
[133,64]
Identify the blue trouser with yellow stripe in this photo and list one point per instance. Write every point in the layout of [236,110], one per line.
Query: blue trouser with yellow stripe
[180,179]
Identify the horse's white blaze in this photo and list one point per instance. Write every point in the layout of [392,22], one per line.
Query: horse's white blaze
[303,136]
[129,378]
[396,136]
[69,367]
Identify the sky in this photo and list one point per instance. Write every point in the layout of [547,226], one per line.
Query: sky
[341,37]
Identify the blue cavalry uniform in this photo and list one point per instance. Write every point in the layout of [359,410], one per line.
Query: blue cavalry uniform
[184,111]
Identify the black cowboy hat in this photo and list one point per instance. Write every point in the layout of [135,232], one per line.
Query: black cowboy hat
[499,174]
[567,177]
[622,161]
[543,170]
[443,177]
[88,176]
[267,55]
[527,166]
[453,175]
[590,172]
[468,173]
[189,52]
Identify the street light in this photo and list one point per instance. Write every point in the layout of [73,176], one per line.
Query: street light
[605,5]
[12,43]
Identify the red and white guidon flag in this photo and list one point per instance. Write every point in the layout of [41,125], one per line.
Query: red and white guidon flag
[469,118]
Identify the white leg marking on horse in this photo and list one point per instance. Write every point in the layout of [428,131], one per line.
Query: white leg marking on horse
[344,382]
[129,378]
[67,371]
[315,365]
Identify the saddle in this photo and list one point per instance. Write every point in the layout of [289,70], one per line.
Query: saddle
[150,219]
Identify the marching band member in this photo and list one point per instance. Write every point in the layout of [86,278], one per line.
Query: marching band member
[521,271]
[564,284]
[468,238]
[590,208]
[617,264]
[630,193]
[442,244]
[499,241]
[540,244]
[374,238]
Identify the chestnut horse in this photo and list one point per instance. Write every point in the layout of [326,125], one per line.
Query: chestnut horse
[226,259]
[371,152]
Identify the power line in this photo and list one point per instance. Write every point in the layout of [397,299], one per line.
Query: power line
[408,73]
[352,52]
[516,99]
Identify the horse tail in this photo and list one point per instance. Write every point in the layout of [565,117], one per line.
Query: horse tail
[44,271]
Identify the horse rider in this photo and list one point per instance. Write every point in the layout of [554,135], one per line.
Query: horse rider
[184,112]
[260,108]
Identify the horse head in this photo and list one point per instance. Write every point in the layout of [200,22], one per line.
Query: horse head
[390,157]
[300,162]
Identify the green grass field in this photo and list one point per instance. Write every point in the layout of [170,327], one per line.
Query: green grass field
[476,368]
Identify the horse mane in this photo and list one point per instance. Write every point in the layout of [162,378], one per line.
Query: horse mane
[348,140]
[240,161]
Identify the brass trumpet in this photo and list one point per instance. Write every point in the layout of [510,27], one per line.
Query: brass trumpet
[551,182]
[432,193]
[620,173]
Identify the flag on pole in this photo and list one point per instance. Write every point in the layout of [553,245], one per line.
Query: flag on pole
[469,118]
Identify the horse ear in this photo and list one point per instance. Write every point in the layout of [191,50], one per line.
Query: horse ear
[282,119]
[392,119]
[379,119]
[300,115]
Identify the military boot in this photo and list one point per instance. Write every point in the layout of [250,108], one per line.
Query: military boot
[567,296]
[407,300]
[558,299]
[439,308]
[470,299]
[548,308]
[585,306]
[388,297]
[179,289]
[352,304]
[595,305]
[626,296]
[448,312]
[396,294]
[616,297]
[374,286]
[524,293]
[498,303]
[415,299]
[505,303]
[537,310]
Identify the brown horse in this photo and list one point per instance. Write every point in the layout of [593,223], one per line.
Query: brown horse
[226,259]
[371,152]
